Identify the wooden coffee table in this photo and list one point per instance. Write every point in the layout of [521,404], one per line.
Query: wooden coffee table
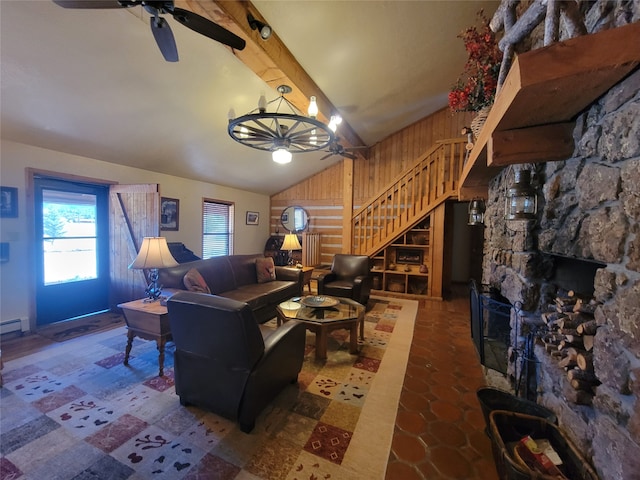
[347,314]
[148,320]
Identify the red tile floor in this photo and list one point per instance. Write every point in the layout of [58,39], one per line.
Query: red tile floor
[439,431]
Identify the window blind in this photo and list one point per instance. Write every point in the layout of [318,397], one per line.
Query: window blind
[217,228]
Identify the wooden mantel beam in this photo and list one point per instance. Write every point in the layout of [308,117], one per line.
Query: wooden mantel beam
[542,143]
[271,60]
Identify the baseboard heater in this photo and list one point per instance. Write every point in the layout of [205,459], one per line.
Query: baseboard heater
[8,326]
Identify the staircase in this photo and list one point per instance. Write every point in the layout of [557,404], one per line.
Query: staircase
[432,180]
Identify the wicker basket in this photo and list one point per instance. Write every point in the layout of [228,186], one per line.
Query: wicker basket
[478,122]
[491,399]
[507,428]
[395,286]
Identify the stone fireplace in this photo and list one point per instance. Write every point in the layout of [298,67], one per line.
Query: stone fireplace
[588,224]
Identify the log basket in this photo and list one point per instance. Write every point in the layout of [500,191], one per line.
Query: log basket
[491,399]
[507,428]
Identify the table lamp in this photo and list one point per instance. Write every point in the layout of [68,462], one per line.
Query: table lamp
[154,254]
[290,243]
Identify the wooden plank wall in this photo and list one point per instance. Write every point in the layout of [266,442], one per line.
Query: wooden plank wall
[321,194]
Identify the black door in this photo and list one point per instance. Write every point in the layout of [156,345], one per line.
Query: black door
[72,249]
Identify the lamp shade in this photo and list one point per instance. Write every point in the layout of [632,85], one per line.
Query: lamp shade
[291,242]
[281,155]
[154,253]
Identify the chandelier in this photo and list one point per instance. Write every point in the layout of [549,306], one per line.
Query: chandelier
[282,132]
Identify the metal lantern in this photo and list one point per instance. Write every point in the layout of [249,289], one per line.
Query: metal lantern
[476,212]
[521,201]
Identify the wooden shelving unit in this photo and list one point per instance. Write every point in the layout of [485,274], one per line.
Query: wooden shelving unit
[532,118]
[397,268]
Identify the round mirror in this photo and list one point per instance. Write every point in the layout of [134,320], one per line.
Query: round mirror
[294,219]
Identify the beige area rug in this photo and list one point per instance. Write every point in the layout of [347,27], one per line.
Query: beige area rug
[63,331]
[75,411]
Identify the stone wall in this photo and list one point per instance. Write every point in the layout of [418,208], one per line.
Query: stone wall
[589,208]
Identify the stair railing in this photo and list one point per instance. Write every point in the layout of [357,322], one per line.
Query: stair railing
[409,197]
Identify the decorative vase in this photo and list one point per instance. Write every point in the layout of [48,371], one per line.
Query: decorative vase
[478,122]
[423,268]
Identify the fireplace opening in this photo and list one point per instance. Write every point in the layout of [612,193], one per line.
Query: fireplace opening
[490,326]
[567,330]
[574,274]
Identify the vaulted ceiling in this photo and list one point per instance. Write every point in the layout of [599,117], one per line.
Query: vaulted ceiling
[93,82]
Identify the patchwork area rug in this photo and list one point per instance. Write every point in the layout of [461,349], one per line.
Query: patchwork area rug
[63,331]
[75,411]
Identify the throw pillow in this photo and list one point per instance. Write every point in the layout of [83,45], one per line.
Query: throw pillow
[265,269]
[194,282]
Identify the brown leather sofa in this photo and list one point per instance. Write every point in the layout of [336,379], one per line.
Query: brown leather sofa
[225,361]
[235,277]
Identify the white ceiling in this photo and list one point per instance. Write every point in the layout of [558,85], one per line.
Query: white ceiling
[93,82]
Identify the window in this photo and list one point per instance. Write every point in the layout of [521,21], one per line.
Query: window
[69,236]
[217,228]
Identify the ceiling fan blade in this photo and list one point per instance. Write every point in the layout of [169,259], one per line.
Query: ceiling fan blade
[358,147]
[348,155]
[164,38]
[207,28]
[327,156]
[89,3]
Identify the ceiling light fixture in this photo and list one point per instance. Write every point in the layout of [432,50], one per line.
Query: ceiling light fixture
[282,133]
[263,28]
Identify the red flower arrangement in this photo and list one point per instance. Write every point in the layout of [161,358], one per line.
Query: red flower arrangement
[476,87]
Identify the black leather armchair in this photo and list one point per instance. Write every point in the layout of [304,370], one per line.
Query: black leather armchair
[350,277]
[225,362]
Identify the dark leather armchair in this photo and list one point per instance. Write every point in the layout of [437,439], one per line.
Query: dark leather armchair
[225,362]
[350,277]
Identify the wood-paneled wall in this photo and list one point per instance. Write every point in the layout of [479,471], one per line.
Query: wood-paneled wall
[399,151]
[321,194]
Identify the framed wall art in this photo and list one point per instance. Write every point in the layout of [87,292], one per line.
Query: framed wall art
[253,218]
[9,202]
[169,213]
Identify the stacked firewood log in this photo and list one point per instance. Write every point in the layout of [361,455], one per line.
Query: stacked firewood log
[571,328]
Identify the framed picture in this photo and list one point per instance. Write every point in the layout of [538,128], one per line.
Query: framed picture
[253,218]
[409,255]
[8,202]
[169,213]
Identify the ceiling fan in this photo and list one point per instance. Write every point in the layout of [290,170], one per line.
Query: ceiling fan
[336,148]
[160,27]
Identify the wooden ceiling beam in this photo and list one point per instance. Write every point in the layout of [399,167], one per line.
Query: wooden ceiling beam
[271,60]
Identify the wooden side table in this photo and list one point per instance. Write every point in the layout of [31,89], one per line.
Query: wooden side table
[307,272]
[148,320]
